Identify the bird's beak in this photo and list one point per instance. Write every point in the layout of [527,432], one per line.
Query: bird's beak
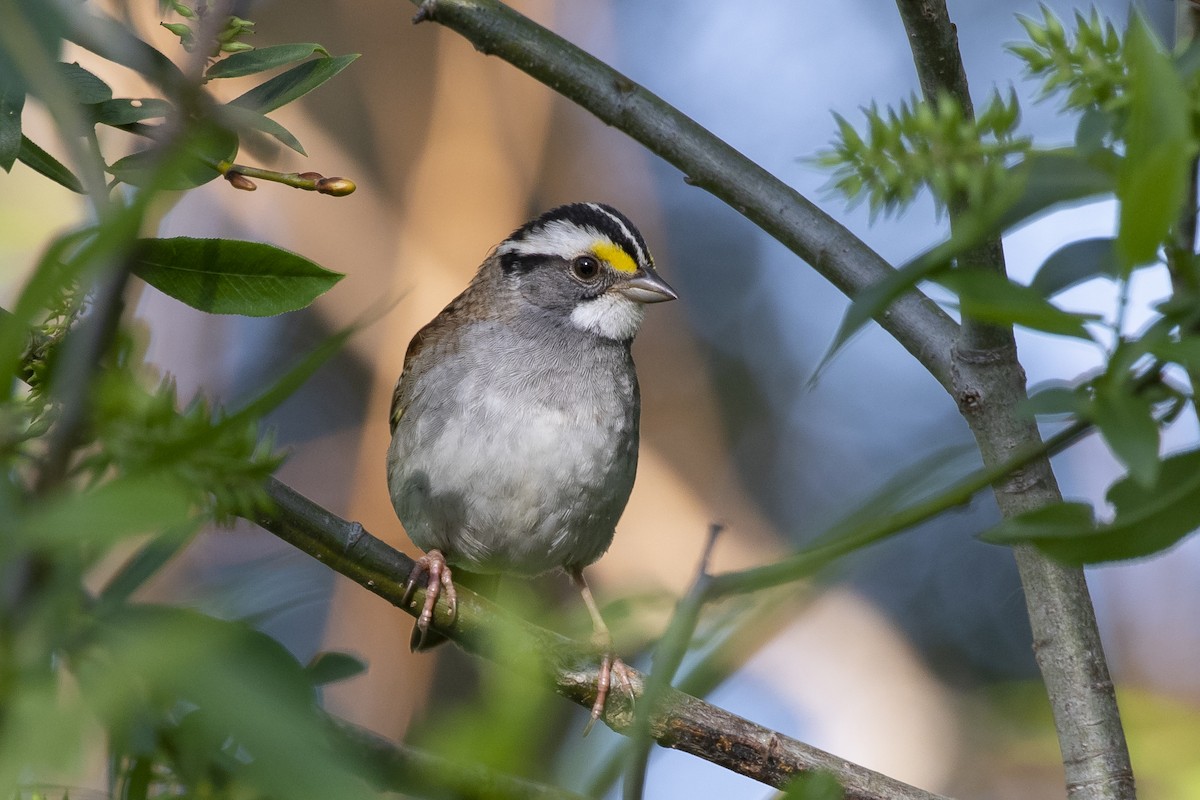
[645,286]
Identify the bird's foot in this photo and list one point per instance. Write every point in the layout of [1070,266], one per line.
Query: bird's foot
[611,668]
[438,579]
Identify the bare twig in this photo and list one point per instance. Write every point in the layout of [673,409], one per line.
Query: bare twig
[680,721]
[989,383]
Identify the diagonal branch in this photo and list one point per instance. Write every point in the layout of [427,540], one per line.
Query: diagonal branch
[989,383]
[842,258]
[679,721]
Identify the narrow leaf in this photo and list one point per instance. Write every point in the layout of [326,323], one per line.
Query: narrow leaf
[249,118]
[293,84]
[127,110]
[331,667]
[1153,177]
[262,59]
[42,162]
[1127,423]
[124,507]
[1147,521]
[224,276]
[12,101]
[1040,183]
[197,165]
[1074,263]
[991,297]
[86,87]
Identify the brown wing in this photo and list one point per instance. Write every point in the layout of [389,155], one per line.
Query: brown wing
[436,331]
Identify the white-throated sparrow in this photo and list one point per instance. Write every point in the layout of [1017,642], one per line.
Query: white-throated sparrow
[515,419]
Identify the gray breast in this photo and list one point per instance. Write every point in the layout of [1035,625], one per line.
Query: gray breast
[520,457]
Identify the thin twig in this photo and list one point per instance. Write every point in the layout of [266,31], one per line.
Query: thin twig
[667,657]
[681,722]
[989,384]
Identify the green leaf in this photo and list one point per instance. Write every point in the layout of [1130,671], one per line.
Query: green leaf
[1127,423]
[123,507]
[1147,520]
[1074,263]
[1054,399]
[248,118]
[127,110]
[1153,177]
[331,667]
[224,276]
[1094,127]
[818,785]
[293,84]
[86,87]
[1041,182]
[208,147]
[12,101]
[262,59]
[991,297]
[42,162]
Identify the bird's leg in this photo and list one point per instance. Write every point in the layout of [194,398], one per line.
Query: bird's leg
[610,665]
[438,580]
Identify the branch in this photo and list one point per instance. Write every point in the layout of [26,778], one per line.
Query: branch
[406,769]
[989,383]
[849,264]
[679,721]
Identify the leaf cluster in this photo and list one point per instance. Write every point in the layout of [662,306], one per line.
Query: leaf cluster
[101,463]
[215,130]
[1136,143]
[961,159]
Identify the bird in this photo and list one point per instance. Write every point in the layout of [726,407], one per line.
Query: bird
[515,419]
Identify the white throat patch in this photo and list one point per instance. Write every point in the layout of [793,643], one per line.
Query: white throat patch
[609,315]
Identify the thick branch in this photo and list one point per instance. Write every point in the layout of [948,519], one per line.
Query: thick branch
[680,721]
[841,257]
[988,384]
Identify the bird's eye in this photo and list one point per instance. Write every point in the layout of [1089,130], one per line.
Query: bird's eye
[585,268]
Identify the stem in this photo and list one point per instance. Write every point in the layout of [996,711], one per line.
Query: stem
[988,384]
[679,721]
[846,261]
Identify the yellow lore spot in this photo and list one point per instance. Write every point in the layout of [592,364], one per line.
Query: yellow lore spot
[617,258]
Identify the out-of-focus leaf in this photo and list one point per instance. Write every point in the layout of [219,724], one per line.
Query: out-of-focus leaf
[1185,352]
[261,59]
[1075,263]
[1057,398]
[43,163]
[196,166]
[123,507]
[1147,521]
[817,785]
[991,297]
[293,84]
[287,384]
[1126,421]
[86,87]
[225,276]
[12,101]
[332,666]
[245,695]
[126,110]
[1153,177]
[1094,126]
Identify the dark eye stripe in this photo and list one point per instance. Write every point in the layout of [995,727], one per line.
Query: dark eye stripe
[604,219]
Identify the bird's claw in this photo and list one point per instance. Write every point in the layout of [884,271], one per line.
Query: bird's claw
[438,580]
[610,667]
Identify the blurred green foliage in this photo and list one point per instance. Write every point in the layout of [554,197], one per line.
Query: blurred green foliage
[1138,136]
